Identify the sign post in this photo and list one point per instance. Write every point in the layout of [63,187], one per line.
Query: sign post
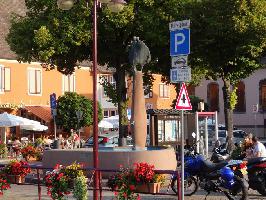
[180,72]
[183,103]
[53,110]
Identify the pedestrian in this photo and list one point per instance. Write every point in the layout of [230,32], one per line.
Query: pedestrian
[258,148]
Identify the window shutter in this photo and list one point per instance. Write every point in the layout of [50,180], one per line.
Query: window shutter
[7,77]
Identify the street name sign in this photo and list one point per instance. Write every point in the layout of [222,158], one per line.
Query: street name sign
[179,25]
[183,101]
[180,74]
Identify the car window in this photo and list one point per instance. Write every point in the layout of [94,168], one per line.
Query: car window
[222,134]
[239,134]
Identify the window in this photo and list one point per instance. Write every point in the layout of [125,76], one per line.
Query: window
[164,91]
[213,96]
[262,99]
[160,130]
[109,113]
[4,78]
[110,79]
[34,80]
[69,83]
[105,114]
[147,92]
[241,102]
[112,113]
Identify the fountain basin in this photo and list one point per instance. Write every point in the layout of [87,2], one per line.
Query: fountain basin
[163,158]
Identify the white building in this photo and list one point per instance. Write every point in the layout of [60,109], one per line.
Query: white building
[250,111]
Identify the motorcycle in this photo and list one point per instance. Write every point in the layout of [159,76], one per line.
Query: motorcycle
[256,168]
[190,182]
[216,177]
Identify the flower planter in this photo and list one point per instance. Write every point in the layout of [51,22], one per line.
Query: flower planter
[30,159]
[16,179]
[148,188]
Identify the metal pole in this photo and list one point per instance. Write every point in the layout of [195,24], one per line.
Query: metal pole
[206,137]
[54,128]
[95,106]
[197,132]
[182,155]
[39,185]
[216,126]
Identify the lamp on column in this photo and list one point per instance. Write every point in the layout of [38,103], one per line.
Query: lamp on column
[116,6]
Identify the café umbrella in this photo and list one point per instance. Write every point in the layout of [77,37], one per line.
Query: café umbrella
[9,120]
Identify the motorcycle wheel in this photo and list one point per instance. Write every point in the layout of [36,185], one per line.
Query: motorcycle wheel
[190,186]
[240,191]
[262,187]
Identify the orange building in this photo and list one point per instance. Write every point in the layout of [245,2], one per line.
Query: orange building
[25,88]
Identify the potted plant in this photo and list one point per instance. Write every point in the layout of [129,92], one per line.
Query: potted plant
[72,171]
[63,179]
[146,179]
[142,178]
[16,171]
[80,191]
[57,183]
[123,184]
[39,142]
[29,152]
[4,185]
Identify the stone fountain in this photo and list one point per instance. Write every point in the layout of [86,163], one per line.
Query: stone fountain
[163,158]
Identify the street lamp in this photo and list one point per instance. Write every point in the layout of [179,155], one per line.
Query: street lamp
[79,114]
[114,6]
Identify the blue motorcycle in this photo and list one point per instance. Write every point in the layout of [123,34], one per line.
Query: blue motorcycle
[217,177]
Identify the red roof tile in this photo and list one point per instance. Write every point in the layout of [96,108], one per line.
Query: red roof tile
[43,112]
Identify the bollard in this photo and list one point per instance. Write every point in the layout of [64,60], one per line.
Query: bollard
[39,185]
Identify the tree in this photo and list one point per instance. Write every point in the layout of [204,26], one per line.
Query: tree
[68,104]
[228,38]
[63,38]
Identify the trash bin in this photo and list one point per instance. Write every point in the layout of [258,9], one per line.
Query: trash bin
[56,144]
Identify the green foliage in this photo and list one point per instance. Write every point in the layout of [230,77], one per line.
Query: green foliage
[68,104]
[233,98]
[3,150]
[80,191]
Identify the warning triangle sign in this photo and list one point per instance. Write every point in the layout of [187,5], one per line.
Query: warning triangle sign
[183,101]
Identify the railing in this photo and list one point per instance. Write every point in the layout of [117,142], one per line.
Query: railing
[39,168]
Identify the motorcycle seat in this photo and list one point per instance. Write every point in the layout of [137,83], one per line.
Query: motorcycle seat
[210,166]
[252,161]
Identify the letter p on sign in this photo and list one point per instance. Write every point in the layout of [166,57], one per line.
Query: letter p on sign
[180,42]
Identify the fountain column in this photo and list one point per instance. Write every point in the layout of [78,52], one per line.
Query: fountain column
[139,112]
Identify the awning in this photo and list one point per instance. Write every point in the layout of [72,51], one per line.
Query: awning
[43,112]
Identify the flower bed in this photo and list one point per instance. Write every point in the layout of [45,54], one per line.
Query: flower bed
[139,179]
[15,171]
[63,180]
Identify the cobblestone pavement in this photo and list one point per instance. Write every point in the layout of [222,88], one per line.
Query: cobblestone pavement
[30,192]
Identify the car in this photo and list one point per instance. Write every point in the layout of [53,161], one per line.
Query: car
[238,136]
[107,140]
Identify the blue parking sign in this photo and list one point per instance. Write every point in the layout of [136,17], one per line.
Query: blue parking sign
[180,42]
[53,101]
